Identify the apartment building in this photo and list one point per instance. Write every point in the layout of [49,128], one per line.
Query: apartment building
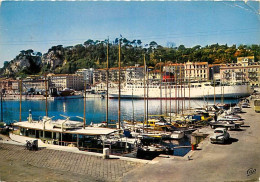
[174,72]
[6,85]
[134,73]
[87,74]
[196,71]
[237,72]
[62,81]
[99,75]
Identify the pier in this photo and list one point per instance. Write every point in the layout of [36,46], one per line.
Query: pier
[237,160]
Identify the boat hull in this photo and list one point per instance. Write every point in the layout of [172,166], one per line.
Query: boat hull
[232,91]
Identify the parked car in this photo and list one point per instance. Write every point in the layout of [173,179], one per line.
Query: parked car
[245,105]
[229,125]
[236,109]
[220,136]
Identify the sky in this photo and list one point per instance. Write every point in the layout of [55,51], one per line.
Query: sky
[41,25]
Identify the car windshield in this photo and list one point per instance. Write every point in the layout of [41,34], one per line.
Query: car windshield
[218,131]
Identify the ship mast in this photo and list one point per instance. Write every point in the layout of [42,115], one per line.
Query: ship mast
[189,89]
[170,97]
[175,79]
[184,80]
[46,101]
[84,119]
[181,91]
[1,105]
[214,91]
[119,84]
[133,106]
[160,88]
[20,83]
[165,87]
[107,85]
[144,93]
[178,90]
[147,95]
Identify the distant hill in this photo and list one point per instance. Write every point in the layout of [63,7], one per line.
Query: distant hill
[92,53]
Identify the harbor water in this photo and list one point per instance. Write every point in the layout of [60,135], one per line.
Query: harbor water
[96,108]
[96,112]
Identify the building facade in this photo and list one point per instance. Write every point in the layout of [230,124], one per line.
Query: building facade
[196,71]
[237,72]
[62,81]
[87,75]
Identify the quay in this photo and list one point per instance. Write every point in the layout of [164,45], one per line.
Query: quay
[237,160]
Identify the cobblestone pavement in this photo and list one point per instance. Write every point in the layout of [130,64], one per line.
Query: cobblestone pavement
[86,167]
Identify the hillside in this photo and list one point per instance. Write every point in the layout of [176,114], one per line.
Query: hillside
[91,53]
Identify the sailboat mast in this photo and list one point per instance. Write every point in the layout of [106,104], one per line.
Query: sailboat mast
[178,90]
[223,94]
[181,91]
[147,95]
[119,84]
[184,80]
[214,92]
[170,98]
[189,89]
[222,101]
[84,119]
[160,88]
[144,93]
[20,117]
[165,87]
[175,79]
[107,85]
[1,105]
[133,105]
[46,101]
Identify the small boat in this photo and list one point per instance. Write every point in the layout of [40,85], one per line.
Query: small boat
[229,118]
[152,151]
[177,135]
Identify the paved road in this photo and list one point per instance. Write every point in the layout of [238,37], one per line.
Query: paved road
[18,164]
[237,161]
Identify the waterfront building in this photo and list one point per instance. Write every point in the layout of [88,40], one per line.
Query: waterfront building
[196,71]
[245,70]
[62,81]
[6,85]
[193,71]
[174,72]
[114,74]
[133,73]
[87,74]
[99,75]
[34,84]
[245,61]
[214,72]
[155,75]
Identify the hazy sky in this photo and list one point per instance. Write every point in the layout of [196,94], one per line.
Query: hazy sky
[40,25]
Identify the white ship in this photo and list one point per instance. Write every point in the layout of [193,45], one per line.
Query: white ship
[193,90]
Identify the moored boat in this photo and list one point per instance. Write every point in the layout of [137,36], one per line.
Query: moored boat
[194,90]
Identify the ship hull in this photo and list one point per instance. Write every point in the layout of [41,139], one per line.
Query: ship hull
[232,91]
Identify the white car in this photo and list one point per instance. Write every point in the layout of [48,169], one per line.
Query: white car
[220,136]
[245,105]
